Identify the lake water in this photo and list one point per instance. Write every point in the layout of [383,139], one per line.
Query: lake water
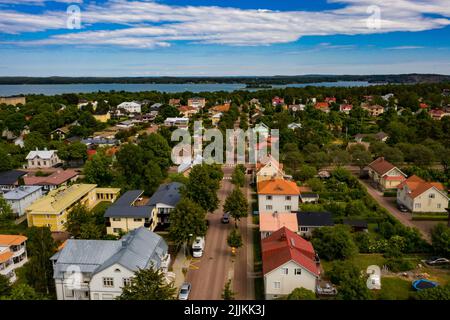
[53,89]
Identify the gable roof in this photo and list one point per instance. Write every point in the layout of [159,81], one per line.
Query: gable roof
[168,193]
[20,192]
[10,177]
[417,186]
[314,219]
[278,187]
[283,246]
[381,166]
[11,239]
[56,178]
[138,249]
[43,154]
[270,222]
[123,207]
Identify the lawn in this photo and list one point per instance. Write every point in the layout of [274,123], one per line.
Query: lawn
[259,282]
[394,288]
[362,261]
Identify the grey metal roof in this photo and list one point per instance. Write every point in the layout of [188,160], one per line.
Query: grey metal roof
[128,198]
[11,176]
[168,194]
[314,219]
[138,249]
[123,207]
[20,192]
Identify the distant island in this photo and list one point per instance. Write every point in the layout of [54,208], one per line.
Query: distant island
[255,82]
[258,86]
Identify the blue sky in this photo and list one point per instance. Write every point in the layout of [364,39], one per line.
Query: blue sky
[229,38]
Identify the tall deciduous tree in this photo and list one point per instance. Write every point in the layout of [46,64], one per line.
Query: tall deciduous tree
[236,204]
[98,171]
[187,220]
[148,284]
[202,187]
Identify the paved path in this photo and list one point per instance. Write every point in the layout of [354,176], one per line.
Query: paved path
[404,218]
[209,274]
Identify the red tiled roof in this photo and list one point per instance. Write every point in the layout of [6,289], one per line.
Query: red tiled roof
[381,166]
[419,186]
[278,187]
[283,246]
[56,178]
[322,105]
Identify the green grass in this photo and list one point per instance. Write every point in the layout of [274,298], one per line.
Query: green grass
[394,288]
[257,259]
[361,260]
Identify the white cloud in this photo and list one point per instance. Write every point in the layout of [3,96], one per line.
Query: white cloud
[148,24]
[406,48]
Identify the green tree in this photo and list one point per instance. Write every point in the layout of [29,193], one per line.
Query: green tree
[440,237]
[76,218]
[301,294]
[238,177]
[361,159]
[98,170]
[148,284]
[187,220]
[234,239]
[5,286]
[236,204]
[5,161]
[305,172]
[334,242]
[22,291]
[15,122]
[351,285]
[436,293]
[202,187]
[228,293]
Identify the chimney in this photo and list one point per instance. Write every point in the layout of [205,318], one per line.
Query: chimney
[283,236]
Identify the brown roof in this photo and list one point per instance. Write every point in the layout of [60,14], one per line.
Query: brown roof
[56,178]
[11,239]
[278,187]
[419,186]
[269,222]
[5,256]
[283,246]
[381,166]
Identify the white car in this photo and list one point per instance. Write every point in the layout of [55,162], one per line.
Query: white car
[184,291]
[198,246]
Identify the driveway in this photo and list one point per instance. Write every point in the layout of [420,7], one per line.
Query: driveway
[405,218]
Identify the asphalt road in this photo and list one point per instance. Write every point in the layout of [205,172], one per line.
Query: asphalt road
[209,273]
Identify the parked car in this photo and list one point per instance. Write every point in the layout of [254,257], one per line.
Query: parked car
[185,290]
[402,208]
[436,261]
[198,246]
[226,218]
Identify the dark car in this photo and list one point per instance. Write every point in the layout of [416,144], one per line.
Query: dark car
[402,208]
[226,218]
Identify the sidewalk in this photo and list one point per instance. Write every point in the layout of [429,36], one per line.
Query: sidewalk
[180,263]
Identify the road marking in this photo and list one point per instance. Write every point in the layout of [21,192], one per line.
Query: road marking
[193,266]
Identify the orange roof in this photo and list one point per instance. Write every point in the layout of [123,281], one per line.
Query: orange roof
[322,105]
[278,187]
[271,222]
[11,239]
[5,256]
[419,186]
[304,189]
[283,246]
[221,108]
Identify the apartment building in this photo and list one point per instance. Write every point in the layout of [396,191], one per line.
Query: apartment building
[277,196]
[42,159]
[52,210]
[164,200]
[13,254]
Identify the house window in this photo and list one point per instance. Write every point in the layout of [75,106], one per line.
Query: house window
[304,229]
[69,293]
[417,205]
[288,198]
[268,197]
[287,208]
[126,282]
[277,284]
[284,271]
[298,271]
[137,220]
[438,205]
[108,282]
[116,219]
[431,196]
[269,207]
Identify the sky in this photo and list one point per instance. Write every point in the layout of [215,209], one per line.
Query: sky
[223,37]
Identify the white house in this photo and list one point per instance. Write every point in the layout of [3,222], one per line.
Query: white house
[177,122]
[277,196]
[130,107]
[42,158]
[420,196]
[261,129]
[21,197]
[99,269]
[294,126]
[269,169]
[289,262]
[13,254]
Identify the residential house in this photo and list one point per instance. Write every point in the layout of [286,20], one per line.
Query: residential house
[215,119]
[373,110]
[357,225]
[11,179]
[345,108]
[438,114]
[277,195]
[102,117]
[186,166]
[99,269]
[271,222]
[127,124]
[13,101]
[83,103]
[22,197]
[322,106]
[384,174]
[254,102]
[156,106]
[164,200]
[330,100]
[99,141]
[387,97]
[269,169]
[293,126]
[53,181]
[262,129]
[130,107]
[175,102]
[177,122]
[277,101]
[60,133]
[308,221]
[289,262]
[52,210]
[220,108]
[13,254]
[381,136]
[127,214]
[187,111]
[296,107]
[419,195]
[42,159]
[308,197]
[197,102]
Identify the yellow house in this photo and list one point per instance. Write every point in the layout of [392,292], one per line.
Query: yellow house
[102,117]
[52,210]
